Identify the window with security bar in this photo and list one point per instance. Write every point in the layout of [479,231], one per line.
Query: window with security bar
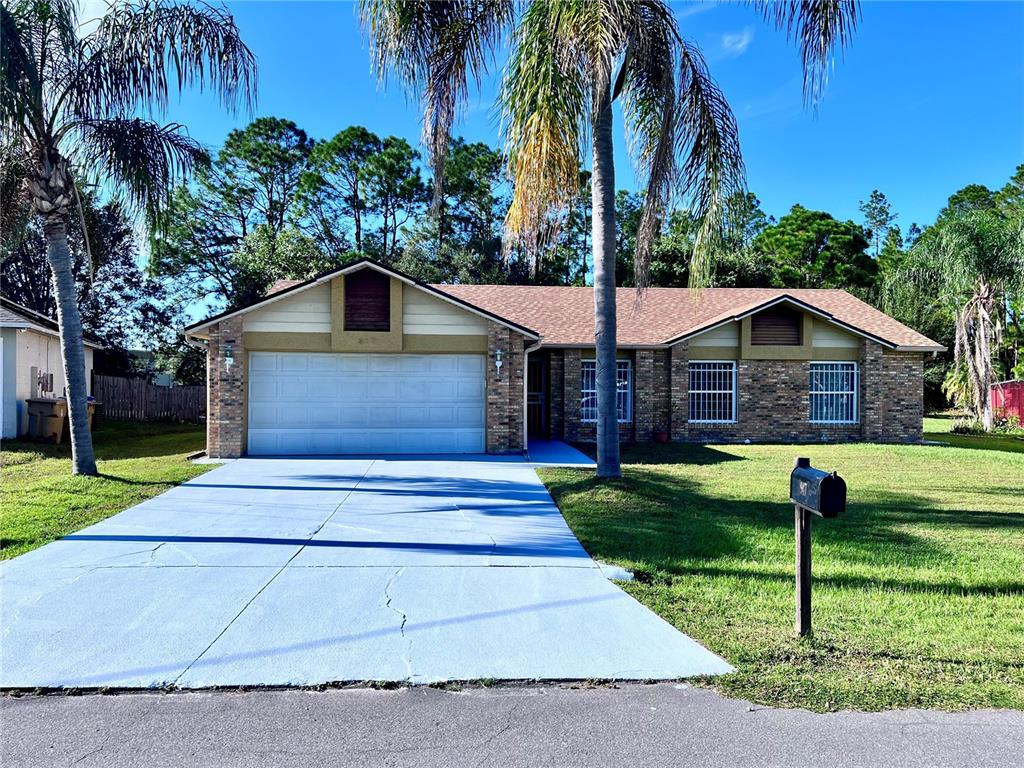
[713,392]
[833,393]
[623,390]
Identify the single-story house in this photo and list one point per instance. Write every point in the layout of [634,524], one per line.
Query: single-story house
[368,360]
[32,365]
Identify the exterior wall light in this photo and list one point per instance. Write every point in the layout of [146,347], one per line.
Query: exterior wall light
[229,353]
[497,361]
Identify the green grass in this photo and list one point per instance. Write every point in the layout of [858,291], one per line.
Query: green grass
[42,501]
[919,588]
[937,428]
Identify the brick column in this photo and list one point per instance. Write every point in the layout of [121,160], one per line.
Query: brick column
[872,387]
[505,406]
[571,395]
[227,391]
[556,391]
[891,394]
[679,391]
[905,394]
[644,394]
[516,393]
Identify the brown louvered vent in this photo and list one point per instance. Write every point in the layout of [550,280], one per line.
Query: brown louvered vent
[367,301]
[778,326]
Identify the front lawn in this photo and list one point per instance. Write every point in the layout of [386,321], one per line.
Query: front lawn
[42,501]
[937,429]
[919,588]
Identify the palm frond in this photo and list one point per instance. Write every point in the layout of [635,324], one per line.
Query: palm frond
[437,49]
[36,40]
[544,99]
[18,74]
[712,164]
[141,157]
[15,206]
[819,28]
[683,137]
[647,84]
[142,50]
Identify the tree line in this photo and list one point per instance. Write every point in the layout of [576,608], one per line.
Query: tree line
[275,204]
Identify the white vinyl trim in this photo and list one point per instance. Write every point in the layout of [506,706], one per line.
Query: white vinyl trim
[811,309]
[461,304]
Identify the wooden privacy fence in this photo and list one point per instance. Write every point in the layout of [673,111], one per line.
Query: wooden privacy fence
[138,400]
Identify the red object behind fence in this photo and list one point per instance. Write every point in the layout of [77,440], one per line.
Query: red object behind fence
[1008,400]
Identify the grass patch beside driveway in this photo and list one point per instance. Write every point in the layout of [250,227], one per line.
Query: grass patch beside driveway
[42,501]
[919,588]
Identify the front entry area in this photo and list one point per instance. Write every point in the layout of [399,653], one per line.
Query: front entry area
[333,404]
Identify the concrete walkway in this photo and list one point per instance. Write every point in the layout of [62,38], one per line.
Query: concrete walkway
[631,725]
[306,571]
[555,453]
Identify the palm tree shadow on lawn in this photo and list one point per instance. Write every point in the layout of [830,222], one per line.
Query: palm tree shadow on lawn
[666,525]
[115,441]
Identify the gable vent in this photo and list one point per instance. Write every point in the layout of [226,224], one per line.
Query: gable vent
[778,326]
[367,301]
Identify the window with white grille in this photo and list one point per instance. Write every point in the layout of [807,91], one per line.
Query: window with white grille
[623,390]
[713,392]
[833,393]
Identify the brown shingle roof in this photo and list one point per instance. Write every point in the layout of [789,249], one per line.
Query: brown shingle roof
[282,285]
[565,316]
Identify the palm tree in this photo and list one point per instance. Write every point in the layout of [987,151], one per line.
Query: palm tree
[70,103]
[972,264]
[558,89]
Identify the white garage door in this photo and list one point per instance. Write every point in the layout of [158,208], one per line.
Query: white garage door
[316,403]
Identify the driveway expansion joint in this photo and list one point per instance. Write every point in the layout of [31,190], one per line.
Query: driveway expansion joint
[464,570]
[272,578]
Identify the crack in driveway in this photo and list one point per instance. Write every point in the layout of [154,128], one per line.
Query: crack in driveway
[276,574]
[407,655]
[493,581]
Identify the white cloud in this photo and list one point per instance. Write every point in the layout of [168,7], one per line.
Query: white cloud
[693,8]
[736,43]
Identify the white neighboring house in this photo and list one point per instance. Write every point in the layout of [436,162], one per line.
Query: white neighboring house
[30,345]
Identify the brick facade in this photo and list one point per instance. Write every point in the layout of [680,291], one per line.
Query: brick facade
[643,399]
[773,402]
[505,390]
[772,397]
[226,391]
[896,411]
[661,393]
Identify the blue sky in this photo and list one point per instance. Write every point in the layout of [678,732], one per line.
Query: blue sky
[929,98]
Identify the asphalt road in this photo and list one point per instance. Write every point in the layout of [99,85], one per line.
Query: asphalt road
[642,725]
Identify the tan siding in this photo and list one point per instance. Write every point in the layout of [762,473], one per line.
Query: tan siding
[307,312]
[727,335]
[828,335]
[427,315]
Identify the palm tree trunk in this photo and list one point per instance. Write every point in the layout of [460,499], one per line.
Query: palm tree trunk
[83,461]
[984,359]
[602,190]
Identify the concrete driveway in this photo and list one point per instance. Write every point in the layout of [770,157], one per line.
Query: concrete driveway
[307,571]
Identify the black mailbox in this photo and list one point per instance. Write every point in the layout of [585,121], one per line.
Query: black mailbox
[822,493]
